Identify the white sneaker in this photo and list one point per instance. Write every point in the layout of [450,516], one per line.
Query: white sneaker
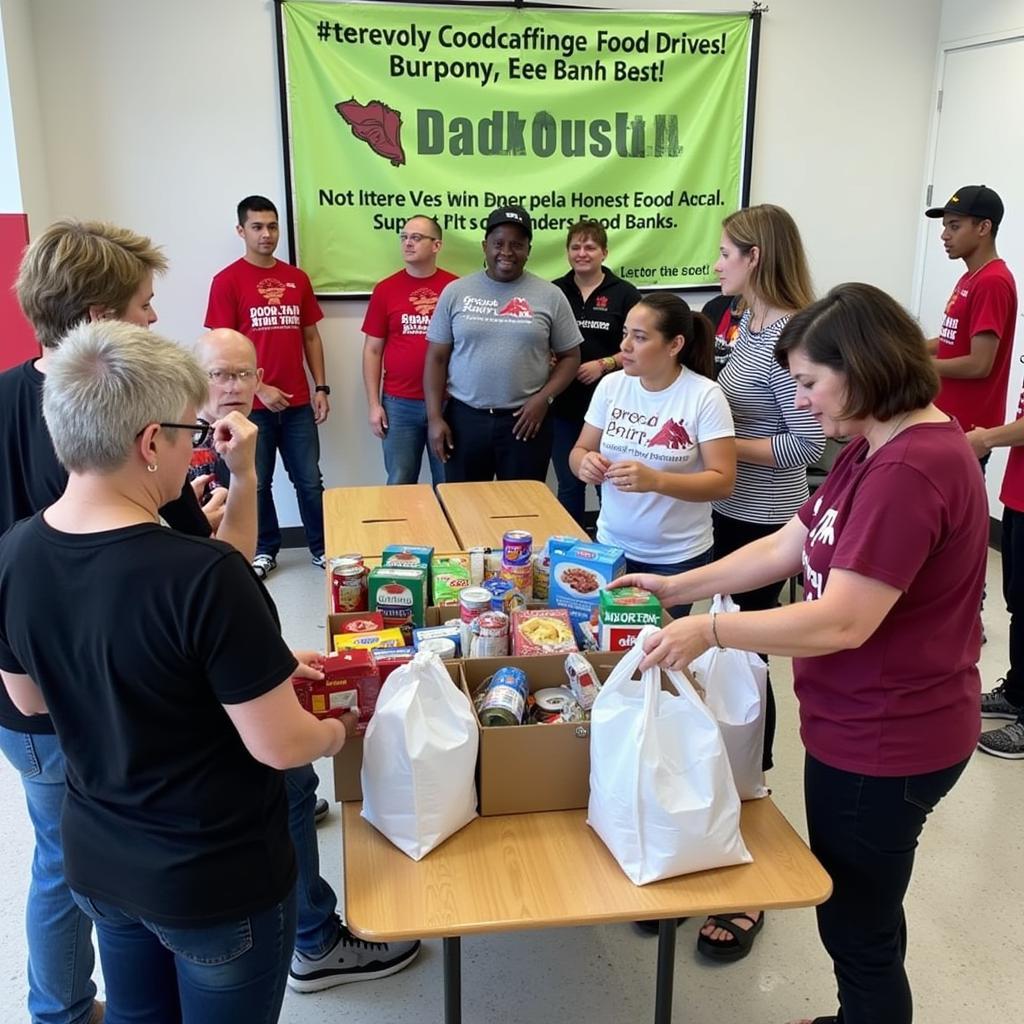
[350,959]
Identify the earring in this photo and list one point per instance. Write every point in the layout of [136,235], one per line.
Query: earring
[152,467]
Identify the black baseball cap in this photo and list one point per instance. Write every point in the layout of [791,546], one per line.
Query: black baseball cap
[510,215]
[972,201]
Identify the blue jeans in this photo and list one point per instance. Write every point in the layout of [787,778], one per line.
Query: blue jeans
[294,433]
[232,973]
[60,953]
[405,439]
[679,611]
[572,492]
[318,925]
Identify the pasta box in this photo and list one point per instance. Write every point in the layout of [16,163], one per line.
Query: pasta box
[579,574]
[540,631]
[622,613]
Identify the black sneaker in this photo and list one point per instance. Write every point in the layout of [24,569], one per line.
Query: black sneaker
[1006,742]
[651,927]
[995,705]
[320,811]
[349,959]
[264,565]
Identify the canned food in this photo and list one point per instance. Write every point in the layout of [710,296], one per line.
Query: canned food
[473,601]
[521,576]
[489,635]
[505,698]
[504,595]
[348,586]
[517,547]
[583,681]
[552,699]
[541,576]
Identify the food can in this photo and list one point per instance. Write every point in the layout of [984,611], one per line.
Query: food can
[489,635]
[504,595]
[552,699]
[521,576]
[505,698]
[473,601]
[583,681]
[516,547]
[348,586]
[442,647]
[541,576]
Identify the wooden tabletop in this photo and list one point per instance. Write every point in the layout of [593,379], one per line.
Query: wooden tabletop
[365,519]
[546,870]
[480,513]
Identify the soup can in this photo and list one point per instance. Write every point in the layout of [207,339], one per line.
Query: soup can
[348,586]
[505,698]
[517,547]
[489,635]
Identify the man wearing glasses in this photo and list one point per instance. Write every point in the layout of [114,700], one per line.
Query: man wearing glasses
[395,348]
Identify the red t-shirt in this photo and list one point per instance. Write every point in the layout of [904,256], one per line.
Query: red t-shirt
[1012,494]
[399,311]
[270,306]
[983,301]
[915,516]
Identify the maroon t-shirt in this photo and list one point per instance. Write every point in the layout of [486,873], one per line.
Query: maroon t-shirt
[915,516]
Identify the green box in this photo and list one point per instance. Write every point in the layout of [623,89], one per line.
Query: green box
[400,595]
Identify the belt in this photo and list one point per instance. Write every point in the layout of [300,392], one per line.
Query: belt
[492,410]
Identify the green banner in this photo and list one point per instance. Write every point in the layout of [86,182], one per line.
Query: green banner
[633,119]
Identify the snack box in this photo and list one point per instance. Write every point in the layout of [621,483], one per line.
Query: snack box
[536,631]
[579,574]
[400,595]
[387,659]
[446,631]
[407,556]
[368,641]
[361,622]
[351,679]
[622,613]
[449,574]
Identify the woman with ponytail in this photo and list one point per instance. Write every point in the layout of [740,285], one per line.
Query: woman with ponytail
[659,435]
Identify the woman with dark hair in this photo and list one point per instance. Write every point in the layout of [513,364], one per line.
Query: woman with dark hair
[886,641]
[660,435]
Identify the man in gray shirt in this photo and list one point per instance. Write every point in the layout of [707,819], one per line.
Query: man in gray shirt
[504,342]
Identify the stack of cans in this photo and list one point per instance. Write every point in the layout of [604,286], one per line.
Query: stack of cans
[517,560]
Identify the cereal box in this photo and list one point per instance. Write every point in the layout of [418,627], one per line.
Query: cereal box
[350,680]
[578,575]
[448,575]
[368,641]
[623,613]
[541,631]
[407,556]
[400,595]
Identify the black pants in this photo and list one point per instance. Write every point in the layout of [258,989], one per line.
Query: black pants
[864,830]
[1013,594]
[484,447]
[730,535]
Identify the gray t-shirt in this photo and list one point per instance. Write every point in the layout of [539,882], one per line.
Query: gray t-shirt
[502,336]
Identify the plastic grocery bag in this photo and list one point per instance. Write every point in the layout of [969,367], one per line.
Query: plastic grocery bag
[661,792]
[419,758]
[736,691]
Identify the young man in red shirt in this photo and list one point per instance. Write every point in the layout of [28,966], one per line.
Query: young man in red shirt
[395,350]
[273,305]
[972,351]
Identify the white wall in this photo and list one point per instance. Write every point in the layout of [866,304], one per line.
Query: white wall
[161,115]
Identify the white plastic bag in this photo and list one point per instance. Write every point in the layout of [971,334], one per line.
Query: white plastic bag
[736,692]
[661,792]
[419,758]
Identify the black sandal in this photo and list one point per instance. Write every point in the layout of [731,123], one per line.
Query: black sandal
[738,946]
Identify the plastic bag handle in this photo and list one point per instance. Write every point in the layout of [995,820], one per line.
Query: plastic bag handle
[682,682]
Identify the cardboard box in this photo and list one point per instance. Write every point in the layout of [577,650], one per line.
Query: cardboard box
[407,556]
[524,768]
[449,574]
[348,762]
[579,574]
[400,595]
[369,641]
[623,612]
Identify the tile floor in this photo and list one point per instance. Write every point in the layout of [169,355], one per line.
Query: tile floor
[964,940]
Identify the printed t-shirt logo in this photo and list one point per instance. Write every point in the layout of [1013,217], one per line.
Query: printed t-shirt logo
[671,435]
[601,302]
[516,307]
[272,290]
[423,300]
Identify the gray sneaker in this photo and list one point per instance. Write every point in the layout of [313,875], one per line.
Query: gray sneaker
[349,959]
[995,705]
[1006,742]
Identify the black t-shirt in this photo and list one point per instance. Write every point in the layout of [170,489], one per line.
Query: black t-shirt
[725,315]
[35,479]
[600,320]
[137,637]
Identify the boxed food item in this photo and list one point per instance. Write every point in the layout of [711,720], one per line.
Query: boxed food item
[361,622]
[400,595]
[387,659]
[350,680]
[449,574]
[369,641]
[541,631]
[445,631]
[579,573]
[407,556]
[622,613]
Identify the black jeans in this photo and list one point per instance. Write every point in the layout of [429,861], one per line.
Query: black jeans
[864,830]
[730,535]
[484,447]
[1013,594]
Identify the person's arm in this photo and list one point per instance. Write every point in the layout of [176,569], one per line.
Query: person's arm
[234,438]
[975,366]
[435,380]
[528,419]
[848,612]
[373,357]
[984,439]
[24,694]
[585,459]
[715,481]
[314,350]
[932,345]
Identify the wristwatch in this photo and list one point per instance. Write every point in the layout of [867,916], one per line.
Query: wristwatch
[323,389]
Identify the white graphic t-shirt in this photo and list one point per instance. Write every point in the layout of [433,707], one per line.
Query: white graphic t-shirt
[662,429]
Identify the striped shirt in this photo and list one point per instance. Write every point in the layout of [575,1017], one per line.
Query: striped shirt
[761,395]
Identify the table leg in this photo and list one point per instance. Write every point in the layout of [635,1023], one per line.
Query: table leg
[666,971]
[453,980]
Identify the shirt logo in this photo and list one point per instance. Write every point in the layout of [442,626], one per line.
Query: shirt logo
[271,289]
[423,300]
[516,307]
[825,530]
[671,435]
[601,302]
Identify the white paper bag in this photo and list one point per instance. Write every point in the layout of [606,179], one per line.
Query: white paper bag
[419,757]
[661,792]
[736,692]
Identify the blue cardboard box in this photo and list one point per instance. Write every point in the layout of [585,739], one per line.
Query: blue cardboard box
[578,574]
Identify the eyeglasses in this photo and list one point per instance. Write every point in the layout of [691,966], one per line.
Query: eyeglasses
[224,376]
[415,238]
[200,431]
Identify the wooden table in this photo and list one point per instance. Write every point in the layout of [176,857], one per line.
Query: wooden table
[365,519]
[507,873]
[480,513]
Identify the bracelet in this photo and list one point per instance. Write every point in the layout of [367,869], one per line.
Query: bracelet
[609,364]
[714,631]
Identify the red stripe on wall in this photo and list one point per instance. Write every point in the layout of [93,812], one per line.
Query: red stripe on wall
[17,339]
